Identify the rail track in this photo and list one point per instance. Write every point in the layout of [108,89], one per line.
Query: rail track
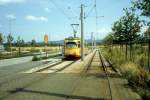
[21,76]
[40,78]
[108,69]
[18,75]
[18,71]
[105,66]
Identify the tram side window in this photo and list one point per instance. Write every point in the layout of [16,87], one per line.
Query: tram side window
[71,45]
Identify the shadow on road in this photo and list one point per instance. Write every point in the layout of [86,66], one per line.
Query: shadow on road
[55,94]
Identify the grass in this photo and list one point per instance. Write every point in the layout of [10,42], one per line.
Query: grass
[36,58]
[30,52]
[135,70]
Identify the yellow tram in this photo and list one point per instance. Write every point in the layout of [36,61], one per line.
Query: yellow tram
[72,48]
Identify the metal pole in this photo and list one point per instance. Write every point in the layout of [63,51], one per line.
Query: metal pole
[82,34]
[149,55]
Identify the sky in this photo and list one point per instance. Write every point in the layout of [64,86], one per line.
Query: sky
[32,19]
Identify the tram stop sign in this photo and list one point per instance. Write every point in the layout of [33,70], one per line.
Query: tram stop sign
[46,39]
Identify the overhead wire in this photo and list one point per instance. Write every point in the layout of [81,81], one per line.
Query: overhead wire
[91,10]
[70,9]
[96,16]
[60,9]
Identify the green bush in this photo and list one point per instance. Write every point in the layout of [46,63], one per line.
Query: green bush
[35,58]
[135,70]
[145,94]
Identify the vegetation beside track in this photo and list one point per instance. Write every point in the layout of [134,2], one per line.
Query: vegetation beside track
[135,70]
[129,48]
[27,51]
[37,58]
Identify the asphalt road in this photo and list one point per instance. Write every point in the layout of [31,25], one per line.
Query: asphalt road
[13,61]
[66,84]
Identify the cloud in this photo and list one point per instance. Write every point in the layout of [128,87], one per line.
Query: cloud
[36,18]
[10,16]
[4,2]
[47,9]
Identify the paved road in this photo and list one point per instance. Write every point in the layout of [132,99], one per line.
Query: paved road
[7,62]
[66,84]
[13,61]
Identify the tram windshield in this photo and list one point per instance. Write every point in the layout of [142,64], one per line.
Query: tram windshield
[71,45]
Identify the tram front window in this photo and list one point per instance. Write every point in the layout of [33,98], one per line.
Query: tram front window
[71,45]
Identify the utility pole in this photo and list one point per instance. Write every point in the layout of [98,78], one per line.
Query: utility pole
[96,12]
[82,33]
[94,43]
[96,16]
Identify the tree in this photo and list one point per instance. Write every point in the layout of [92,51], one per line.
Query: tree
[22,42]
[147,38]
[19,44]
[147,34]
[144,6]
[126,29]
[1,38]
[18,41]
[108,39]
[119,35]
[10,40]
[33,42]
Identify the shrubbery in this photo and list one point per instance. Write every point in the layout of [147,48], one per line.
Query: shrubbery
[136,75]
[135,70]
[35,58]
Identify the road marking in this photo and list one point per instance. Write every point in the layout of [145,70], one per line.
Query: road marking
[56,68]
[32,70]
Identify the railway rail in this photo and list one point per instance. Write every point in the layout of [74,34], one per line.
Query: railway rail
[40,78]
[105,68]
[53,68]
[17,76]
[104,64]
[18,71]
[109,70]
